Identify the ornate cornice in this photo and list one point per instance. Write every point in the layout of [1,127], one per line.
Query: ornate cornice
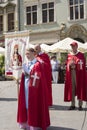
[76,28]
[7,4]
[17,34]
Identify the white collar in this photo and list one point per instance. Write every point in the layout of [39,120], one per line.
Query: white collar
[74,53]
[40,53]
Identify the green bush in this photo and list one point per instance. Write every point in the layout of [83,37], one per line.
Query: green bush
[2,64]
[63,57]
[0,71]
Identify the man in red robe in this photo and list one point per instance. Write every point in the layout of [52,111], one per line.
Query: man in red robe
[48,70]
[75,78]
[33,112]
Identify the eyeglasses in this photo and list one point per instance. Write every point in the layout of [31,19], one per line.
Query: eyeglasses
[26,53]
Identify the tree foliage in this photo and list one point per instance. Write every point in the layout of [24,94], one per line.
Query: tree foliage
[2,64]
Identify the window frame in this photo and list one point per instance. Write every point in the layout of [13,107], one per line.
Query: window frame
[2,1]
[31,15]
[47,11]
[73,10]
[12,21]
[1,24]
[39,11]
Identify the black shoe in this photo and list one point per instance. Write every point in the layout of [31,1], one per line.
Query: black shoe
[72,108]
[80,108]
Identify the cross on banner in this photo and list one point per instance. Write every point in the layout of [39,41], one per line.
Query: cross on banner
[35,77]
[80,64]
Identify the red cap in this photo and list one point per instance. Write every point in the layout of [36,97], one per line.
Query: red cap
[74,44]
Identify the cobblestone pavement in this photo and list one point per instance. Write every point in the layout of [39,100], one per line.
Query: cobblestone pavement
[61,117]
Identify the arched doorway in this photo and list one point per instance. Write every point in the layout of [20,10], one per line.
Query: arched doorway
[79,39]
[77,32]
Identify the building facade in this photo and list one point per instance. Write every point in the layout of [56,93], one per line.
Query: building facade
[52,20]
[48,21]
[8,18]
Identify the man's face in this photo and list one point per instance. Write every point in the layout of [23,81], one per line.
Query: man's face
[29,55]
[74,48]
[37,49]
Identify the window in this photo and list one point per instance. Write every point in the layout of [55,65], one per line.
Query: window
[76,8]
[48,12]
[10,21]
[31,14]
[1,23]
[1,1]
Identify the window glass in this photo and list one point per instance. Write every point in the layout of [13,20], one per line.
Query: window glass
[44,6]
[44,16]
[81,11]
[51,5]
[48,12]
[31,14]
[1,23]
[76,8]
[28,9]
[75,1]
[76,12]
[81,1]
[51,15]
[34,17]
[10,21]
[71,13]
[70,2]
[34,8]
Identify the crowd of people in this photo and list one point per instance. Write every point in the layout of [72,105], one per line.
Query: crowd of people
[35,95]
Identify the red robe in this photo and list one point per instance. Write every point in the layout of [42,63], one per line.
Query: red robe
[48,73]
[20,58]
[81,80]
[38,111]
[22,111]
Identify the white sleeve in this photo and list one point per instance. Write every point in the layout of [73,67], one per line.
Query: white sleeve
[25,68]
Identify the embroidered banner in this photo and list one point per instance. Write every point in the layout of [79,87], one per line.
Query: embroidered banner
[15,46]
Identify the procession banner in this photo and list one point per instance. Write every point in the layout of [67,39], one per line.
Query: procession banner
[15,45]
